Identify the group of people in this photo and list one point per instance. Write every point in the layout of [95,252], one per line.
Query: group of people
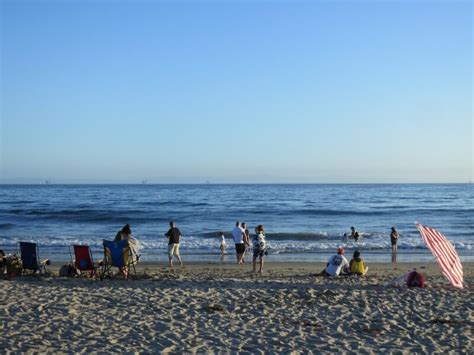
[337,264]
[394,236]
[241,237]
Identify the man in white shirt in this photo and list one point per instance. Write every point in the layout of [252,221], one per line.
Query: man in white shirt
[336,264]
[239,234]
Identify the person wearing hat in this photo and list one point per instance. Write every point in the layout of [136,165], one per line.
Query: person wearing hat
[337,264]
[357,265]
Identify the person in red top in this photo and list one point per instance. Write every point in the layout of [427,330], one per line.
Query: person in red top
[174,236]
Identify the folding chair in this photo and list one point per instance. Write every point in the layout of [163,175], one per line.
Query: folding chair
[118,254]
[30,259]
[83,260]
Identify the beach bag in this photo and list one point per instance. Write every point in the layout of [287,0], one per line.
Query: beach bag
[68,270]
[415,279]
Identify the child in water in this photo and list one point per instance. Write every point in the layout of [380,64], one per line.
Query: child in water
[222,245]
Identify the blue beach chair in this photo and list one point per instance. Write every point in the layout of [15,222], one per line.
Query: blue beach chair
[30,259]
[118,254]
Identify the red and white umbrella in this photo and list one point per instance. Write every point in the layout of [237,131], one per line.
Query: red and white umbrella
[445,254]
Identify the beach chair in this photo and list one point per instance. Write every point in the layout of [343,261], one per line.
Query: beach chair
[83,260]
[118,253]
[30,260]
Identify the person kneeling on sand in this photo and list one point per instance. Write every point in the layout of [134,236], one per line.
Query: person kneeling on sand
[357,265]
[336,264]
[259,247]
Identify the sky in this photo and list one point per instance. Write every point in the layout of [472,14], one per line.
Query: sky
[236,91]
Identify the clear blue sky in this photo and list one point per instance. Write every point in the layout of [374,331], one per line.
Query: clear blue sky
[245,91]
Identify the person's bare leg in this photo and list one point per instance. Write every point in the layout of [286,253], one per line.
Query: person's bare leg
[261,265]
[170,260]
[254,264]
[179,259]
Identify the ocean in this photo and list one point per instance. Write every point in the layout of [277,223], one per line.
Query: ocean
[303,222]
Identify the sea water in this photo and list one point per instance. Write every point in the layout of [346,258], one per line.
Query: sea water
[303,222]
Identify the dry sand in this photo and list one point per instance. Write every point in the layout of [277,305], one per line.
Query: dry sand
[225,308]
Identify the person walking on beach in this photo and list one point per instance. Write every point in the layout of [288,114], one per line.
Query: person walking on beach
[174,236]
[239,234]
[354,234]
[394,235]
[259,248]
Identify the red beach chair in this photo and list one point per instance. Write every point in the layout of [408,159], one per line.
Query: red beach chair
[83,260]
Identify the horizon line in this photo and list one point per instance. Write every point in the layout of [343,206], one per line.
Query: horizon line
[236,183]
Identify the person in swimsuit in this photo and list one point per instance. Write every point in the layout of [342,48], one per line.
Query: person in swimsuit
[354,234]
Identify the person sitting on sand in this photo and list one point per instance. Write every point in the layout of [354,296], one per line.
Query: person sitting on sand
[354,234]
[336,264]
[259,247]
[357,265]
[174,235]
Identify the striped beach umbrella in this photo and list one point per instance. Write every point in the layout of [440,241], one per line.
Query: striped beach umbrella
[444,253]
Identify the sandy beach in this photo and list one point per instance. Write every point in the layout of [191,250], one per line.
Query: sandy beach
[224,308]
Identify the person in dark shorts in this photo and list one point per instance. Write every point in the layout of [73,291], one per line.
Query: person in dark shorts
[239,236]
[174,236]
[394,240]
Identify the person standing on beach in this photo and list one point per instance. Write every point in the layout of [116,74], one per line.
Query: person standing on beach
[174,236]
[394,235]
[259,247]
[239,234]
[222,245]
[246,240]
[354,234]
